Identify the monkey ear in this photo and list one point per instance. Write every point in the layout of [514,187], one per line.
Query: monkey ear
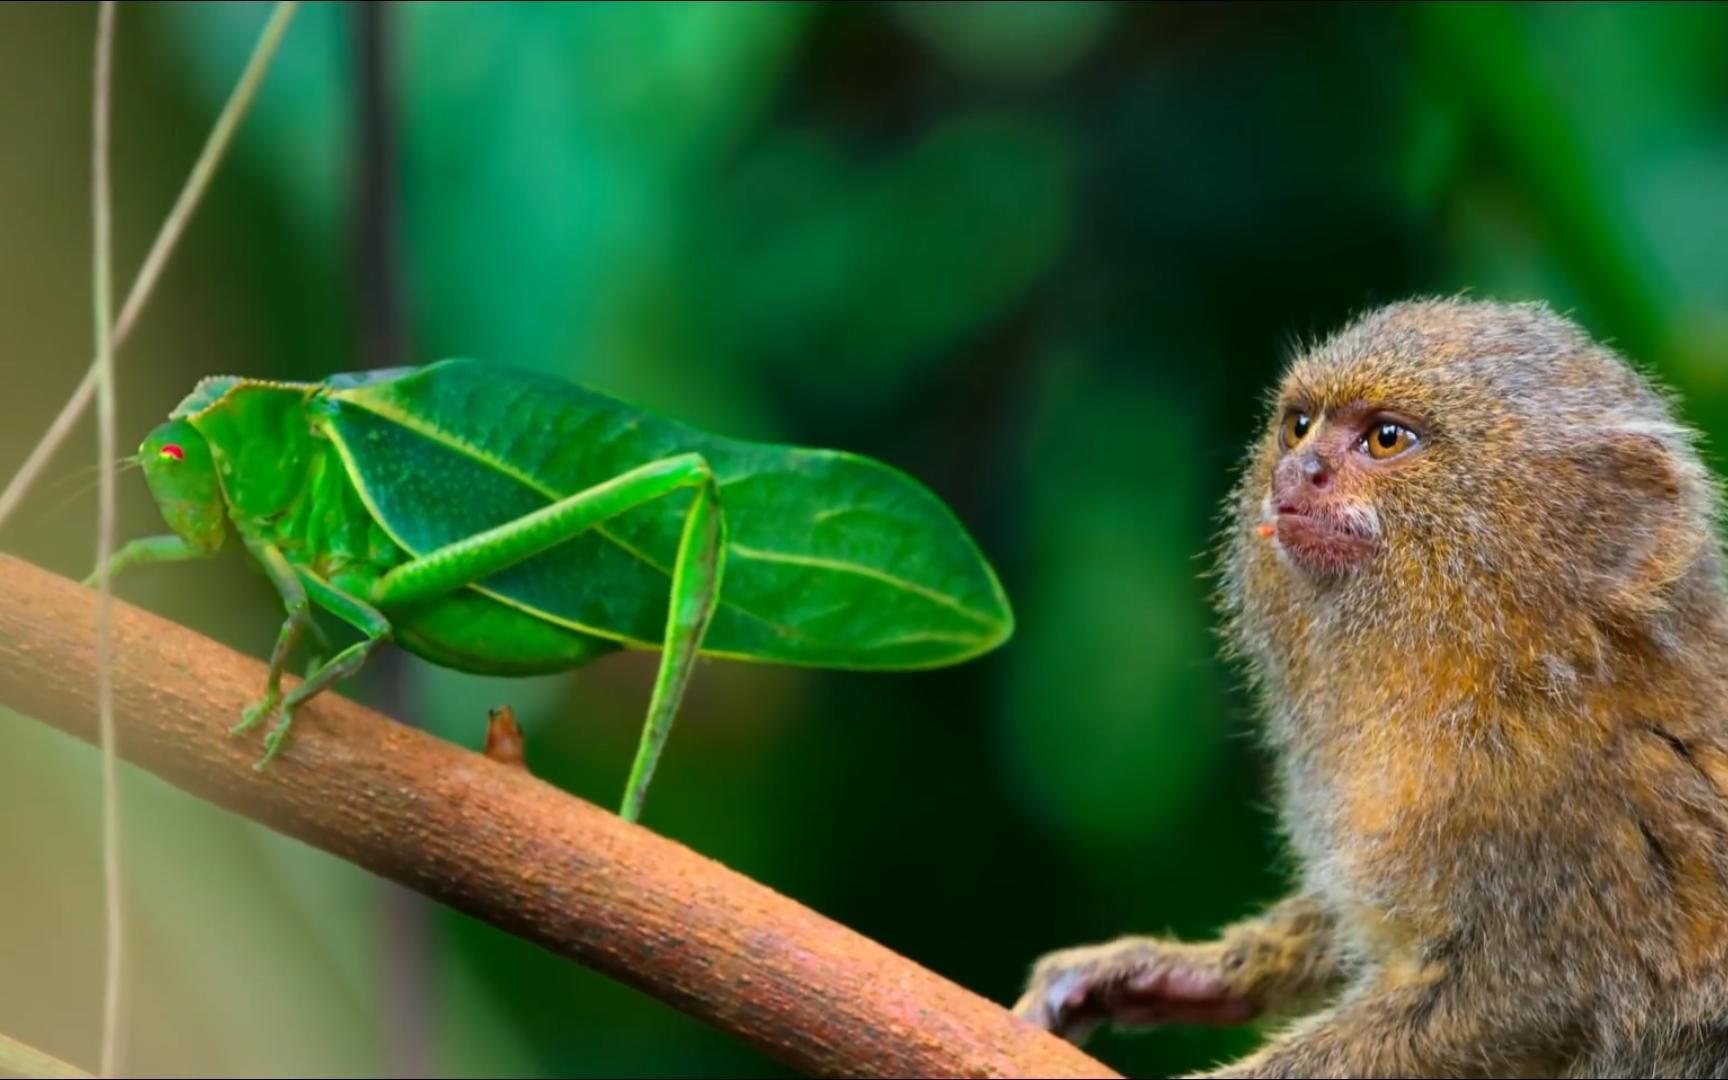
[1659,500]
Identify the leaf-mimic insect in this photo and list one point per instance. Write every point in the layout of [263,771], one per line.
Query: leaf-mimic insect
[497,521]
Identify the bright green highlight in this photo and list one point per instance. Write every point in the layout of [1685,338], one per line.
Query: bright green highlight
[502,522]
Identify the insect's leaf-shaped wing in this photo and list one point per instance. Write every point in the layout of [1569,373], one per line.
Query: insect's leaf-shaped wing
[833,559]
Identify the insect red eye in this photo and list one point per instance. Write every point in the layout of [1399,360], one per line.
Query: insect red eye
[172,450]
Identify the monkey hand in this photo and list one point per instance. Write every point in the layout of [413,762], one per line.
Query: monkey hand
[1134,982]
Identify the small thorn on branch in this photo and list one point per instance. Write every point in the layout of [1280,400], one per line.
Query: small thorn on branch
[504,738]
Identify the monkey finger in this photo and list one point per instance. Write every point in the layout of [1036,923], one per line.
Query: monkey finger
[1178,994]
[1062,1005]
[1078,1029]
[1225,1012]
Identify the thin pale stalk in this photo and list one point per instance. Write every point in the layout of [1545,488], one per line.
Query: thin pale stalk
[101,217]
[215,148]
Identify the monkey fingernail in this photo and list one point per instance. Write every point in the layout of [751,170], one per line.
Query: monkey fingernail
[1065,991]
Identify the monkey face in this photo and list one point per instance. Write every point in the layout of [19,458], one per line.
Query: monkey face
[1319,509]
[1467,479]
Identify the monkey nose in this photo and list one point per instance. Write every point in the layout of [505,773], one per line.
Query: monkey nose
[1316,472]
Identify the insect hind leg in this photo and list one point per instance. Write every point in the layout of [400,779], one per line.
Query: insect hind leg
[695,584]
[695,592]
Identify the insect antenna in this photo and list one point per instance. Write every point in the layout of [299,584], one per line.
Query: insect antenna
[124,462]
[90,476]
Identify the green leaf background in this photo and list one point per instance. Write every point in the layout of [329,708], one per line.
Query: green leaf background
[1044,258]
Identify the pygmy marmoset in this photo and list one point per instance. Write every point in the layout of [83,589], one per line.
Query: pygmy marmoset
[1474,577]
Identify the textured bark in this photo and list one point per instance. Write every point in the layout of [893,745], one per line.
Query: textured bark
[489,839]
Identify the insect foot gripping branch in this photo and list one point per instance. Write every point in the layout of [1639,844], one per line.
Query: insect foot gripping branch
[1474,573]
[506,523]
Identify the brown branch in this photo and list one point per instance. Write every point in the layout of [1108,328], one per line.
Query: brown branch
[491,840]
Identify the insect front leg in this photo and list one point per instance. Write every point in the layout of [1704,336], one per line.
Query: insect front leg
[351,609]
[696,576]
[281,574]
[149,549]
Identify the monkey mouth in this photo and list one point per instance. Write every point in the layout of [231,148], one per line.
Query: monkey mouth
[1322,542]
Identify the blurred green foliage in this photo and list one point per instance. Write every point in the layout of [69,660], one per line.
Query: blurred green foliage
[1045,257]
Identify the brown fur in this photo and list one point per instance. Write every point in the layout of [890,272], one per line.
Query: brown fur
[1501,738]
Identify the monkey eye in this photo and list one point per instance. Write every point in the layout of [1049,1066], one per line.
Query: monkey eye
[1296,427]
[1387,439]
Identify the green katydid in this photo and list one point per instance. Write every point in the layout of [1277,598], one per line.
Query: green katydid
[498,521]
